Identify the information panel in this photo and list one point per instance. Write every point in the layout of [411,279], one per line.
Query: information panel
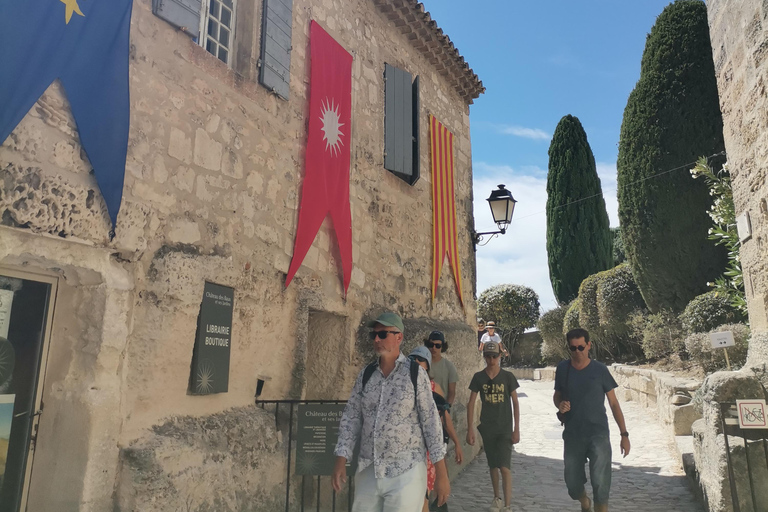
[317,433]
[210,361]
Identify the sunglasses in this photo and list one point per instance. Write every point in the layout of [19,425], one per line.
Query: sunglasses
[418,359]
[574,348]
[429,344]
[492,356]
[381,334]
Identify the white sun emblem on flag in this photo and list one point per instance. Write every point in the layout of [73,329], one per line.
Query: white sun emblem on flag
[331,126]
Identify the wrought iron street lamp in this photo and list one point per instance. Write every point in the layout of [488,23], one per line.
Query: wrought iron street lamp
[502,207]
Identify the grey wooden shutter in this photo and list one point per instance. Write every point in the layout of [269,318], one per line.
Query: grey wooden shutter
[180,13]
[415,148]
[399,123]
[275,61]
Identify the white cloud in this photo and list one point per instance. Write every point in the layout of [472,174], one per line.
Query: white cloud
[520,255]
[522,131]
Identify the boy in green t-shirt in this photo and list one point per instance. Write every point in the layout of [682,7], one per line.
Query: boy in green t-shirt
[498,395]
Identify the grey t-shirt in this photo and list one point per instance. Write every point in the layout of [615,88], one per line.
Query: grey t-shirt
[586,389]
[444,373]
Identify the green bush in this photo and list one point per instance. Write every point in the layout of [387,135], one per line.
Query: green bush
[707,311]
[618,297]
[550,326]
[589,316]
[700,349]
[660,333]
[571,319]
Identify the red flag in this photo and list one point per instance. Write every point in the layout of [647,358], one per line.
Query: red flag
[326,183]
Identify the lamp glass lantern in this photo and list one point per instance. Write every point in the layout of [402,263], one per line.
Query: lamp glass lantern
[502,207]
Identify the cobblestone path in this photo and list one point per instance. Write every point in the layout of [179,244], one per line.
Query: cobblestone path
[649,479]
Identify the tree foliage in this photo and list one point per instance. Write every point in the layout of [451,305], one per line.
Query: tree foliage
[619,255]
[578,232]
[550,326]
[672,116]
[724,232]
[514,308]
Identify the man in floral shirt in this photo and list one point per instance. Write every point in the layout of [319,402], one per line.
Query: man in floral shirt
[396,424]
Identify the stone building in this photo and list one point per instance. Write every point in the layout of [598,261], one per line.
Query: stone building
[212,189]
[739,37]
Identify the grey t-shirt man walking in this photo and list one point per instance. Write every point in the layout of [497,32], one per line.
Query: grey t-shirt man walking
[581,387]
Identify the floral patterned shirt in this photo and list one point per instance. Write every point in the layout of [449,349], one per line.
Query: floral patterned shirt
[396,429]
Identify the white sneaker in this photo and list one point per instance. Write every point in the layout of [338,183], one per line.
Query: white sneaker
[497,505]
[507,509]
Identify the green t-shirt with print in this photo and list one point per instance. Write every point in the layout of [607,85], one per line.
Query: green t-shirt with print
[495,396]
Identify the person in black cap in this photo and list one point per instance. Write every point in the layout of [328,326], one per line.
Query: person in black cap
[443,371]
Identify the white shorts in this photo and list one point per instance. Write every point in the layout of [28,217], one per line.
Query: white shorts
[403,493]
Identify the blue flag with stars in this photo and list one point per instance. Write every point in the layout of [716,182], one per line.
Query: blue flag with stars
[83,43]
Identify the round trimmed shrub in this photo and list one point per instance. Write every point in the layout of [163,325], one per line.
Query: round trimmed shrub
[550,326]
[571,319]
[700,349]
[589,317]
[617,297]
[707,311]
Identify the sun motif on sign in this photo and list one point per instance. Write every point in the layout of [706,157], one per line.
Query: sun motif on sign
[329,116]
[205,374]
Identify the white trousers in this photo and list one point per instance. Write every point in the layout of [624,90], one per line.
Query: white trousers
[403,493]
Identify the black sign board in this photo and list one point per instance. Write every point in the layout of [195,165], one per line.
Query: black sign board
[210,361]
[317,433]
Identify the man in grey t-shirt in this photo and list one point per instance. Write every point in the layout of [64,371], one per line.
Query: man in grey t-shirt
[442,370]
[581,387]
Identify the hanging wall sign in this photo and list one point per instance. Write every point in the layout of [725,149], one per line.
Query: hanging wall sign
[210,361]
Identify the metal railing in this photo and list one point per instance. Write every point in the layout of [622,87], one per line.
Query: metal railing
[730,427]
[291,404]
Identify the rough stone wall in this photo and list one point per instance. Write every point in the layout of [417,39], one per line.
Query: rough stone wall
[212,186]
[739,35]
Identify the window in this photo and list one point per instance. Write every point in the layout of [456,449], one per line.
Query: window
[275,59]
[401,124]
[209,22]
[216,28]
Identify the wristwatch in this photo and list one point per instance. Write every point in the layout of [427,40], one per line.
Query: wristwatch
[625,434]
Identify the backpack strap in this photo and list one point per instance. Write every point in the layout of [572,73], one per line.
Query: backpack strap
[369,371]
[414,373]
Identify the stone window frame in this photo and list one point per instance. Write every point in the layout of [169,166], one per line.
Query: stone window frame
[206,40]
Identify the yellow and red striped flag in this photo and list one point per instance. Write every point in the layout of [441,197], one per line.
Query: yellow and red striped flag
[443,205]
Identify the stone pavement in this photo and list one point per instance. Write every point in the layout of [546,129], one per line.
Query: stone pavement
[649,479]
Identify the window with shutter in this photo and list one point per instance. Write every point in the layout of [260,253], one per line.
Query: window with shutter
[401,124]
[184,14]
[275,61]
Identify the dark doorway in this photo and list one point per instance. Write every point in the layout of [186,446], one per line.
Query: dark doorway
[24,311]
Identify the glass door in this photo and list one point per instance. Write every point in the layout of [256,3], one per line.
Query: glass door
[26,309]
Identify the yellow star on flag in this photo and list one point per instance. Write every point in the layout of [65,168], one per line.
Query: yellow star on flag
[71,7]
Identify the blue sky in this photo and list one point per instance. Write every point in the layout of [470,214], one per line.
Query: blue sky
[540,61]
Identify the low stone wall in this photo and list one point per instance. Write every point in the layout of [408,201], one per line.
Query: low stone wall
[547,373]
[523,373]
[669,395]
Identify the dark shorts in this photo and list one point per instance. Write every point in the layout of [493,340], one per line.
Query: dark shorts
[498,449]
[597,450]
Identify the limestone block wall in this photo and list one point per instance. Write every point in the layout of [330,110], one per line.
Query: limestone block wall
[656,390]
[212,187]
[739,36]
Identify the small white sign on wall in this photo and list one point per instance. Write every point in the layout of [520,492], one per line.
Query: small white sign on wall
[6,301]
[721,339]
[752,413]
[744,227]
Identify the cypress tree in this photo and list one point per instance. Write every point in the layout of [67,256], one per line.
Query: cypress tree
[578,234]
[672,117]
